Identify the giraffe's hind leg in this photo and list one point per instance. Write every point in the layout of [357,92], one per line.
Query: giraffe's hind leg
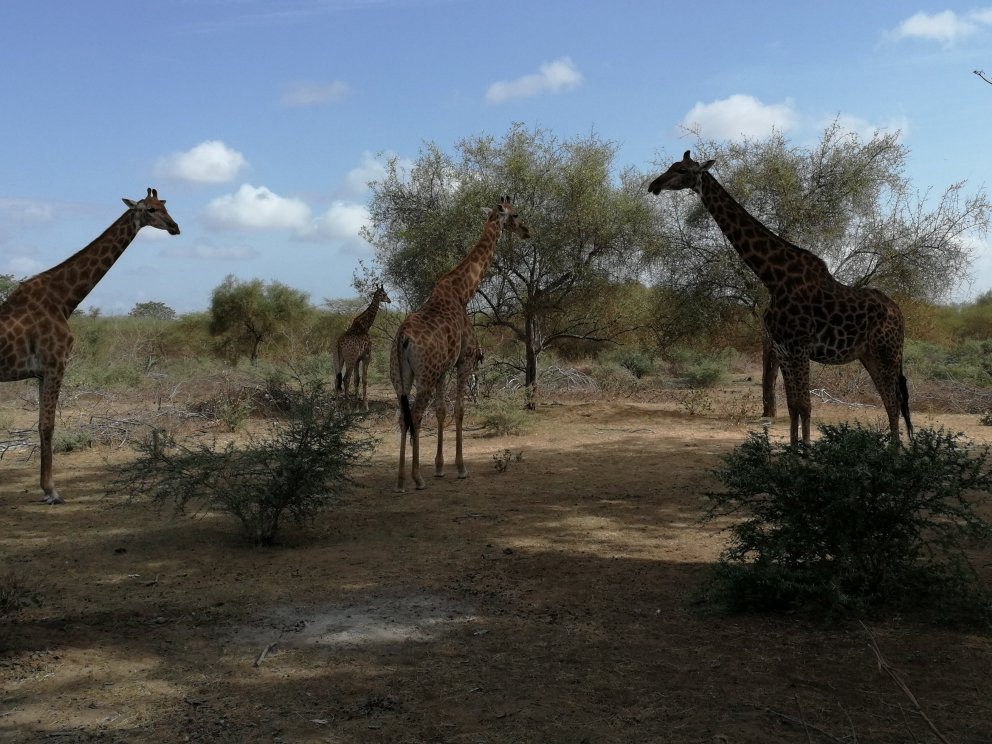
[48,399]
[885,374]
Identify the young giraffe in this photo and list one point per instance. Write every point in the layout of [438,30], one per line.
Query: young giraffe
[35,338]
[810,315]
[353,350]
[438,337]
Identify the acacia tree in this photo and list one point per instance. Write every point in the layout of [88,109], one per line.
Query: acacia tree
[846,199]
[587,222]
[158,310]
[247,314]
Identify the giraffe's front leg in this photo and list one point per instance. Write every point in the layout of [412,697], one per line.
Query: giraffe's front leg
[48,398]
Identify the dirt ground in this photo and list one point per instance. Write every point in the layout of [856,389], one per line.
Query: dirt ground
[550,602]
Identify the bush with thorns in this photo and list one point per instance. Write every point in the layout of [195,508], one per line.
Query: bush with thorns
[297,467]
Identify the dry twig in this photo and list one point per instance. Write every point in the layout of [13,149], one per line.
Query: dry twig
[884,666]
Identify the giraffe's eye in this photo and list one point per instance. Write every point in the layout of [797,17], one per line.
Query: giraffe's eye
[151,209]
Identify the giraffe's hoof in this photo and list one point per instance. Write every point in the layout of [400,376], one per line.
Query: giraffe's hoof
[462,474]
[439,474]
[52,498]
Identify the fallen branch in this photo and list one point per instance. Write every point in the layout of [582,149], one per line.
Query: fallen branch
[826,397]
[884,666]
[265,652]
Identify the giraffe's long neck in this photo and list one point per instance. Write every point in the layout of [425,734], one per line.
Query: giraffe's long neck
[764,252]
[363,322]
[463,280]
[74,278]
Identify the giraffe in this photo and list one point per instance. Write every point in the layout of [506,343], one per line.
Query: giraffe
[439,336]
[35,338]
[810,315]
[353,350]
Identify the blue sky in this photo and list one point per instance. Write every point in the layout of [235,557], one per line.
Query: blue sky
[261,121]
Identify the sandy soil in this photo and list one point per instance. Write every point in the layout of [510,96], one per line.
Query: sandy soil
[551,602]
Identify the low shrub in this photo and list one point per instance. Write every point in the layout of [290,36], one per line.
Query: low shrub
[639,362]
[298,468]
[853,523]
[503,414]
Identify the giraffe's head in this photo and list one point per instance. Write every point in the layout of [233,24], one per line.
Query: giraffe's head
[683,174]
[151,211]
[380,295]
[509,219]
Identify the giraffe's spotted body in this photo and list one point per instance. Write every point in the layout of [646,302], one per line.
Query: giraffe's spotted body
[810,315]
[353,350]
[35,338]
[436,338]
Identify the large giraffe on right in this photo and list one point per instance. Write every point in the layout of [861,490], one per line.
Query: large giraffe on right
[810,315]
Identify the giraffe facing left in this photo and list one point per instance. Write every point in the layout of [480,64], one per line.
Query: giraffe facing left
[35,338]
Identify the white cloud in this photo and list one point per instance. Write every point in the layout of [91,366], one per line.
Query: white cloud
[209,162]
[551,77]
[371,168]
[864,128]
[342,221]
[26,210]
[313,94]
[740,115]
[947,27]
[209,252]
[251,208]
[22,266]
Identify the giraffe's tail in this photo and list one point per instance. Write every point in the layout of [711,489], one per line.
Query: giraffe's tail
[338,378]
[904,402]
[403,381]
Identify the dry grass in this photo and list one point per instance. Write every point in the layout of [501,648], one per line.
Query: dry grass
[550,602]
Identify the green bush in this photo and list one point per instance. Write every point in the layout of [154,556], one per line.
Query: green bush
[701,369]
[638,362]
[503,415]
[853,523]
[297,469]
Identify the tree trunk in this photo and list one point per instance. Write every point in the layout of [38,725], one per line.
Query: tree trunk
[531,350]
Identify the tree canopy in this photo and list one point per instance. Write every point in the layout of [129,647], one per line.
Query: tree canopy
[846,198]
[588,223]
[246,314]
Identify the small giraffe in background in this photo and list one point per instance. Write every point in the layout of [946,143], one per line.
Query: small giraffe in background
[436,338]
[35,338]
[810,315]
[353,350]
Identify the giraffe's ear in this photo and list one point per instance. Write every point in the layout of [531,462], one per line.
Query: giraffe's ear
[707,165]
[130,204]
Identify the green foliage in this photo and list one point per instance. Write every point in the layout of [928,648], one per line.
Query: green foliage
[157,310]
[298,468]
[639,362]
[701,369]
[71,440]
[7,285]
[852,523]
[846,198]
[588,221]
[969,361]
[503,415]
[244,315]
